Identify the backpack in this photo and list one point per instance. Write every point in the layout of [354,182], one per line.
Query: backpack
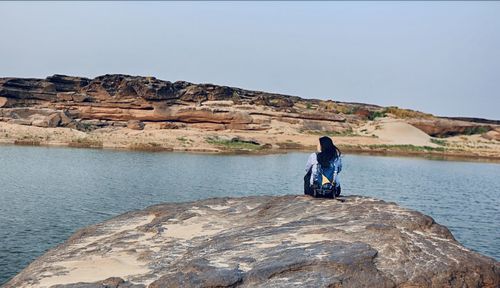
[324,183]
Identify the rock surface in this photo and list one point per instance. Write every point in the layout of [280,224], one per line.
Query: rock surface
[118,97]
[181,116]
[264,241]
[445,127]
[123,98]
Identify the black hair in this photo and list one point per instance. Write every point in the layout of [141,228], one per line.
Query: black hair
[328,151]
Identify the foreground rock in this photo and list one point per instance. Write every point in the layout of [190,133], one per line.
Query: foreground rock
[286,241]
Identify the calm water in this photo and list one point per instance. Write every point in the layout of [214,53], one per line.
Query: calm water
[48,193]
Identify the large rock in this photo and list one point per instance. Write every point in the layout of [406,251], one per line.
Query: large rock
[264,241]
[135,125]
[492,135]
[437,127]
[121,98]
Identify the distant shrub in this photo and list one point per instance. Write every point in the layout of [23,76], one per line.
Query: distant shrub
[233,144]
[86,142]
[347,132]
[183,139]
[476,130]
[439,142]
[375,114]
[406,113]
[335,107]
[149,146]
[407,147]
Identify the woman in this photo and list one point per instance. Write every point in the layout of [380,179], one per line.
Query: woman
[328,156]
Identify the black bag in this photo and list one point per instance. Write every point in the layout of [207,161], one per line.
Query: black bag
[318,193]
[326,193]
[307,185]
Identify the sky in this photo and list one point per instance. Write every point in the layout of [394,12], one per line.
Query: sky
[437,57]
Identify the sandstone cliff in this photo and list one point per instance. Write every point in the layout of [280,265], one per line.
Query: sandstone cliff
[84,103]
[264,241]
[110,99]
[101,112]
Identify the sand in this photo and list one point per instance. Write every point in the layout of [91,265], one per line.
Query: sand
[398,132]
[381,133]
[97,268]
[115,263]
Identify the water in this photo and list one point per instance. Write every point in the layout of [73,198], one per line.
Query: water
[48,193]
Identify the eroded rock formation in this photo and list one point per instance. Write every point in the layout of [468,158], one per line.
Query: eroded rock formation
[112,98]
[264,241]
[439,127]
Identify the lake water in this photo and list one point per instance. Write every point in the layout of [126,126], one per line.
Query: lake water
[48,193]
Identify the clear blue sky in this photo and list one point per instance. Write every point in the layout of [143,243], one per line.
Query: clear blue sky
[437,57]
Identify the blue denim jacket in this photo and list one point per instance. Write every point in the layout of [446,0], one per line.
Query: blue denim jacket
[312,162]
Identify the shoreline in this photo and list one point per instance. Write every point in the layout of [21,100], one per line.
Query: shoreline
[428,155]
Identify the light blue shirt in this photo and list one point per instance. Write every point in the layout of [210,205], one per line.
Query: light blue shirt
[312,161]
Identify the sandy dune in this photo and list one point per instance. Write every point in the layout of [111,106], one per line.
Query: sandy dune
[398,132]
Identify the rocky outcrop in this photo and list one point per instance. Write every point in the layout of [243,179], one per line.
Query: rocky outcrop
[440,127]
[264,241]
[135,125]
[475,120]
[492,135]
[112,98]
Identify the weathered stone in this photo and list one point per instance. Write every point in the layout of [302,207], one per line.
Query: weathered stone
[65,119]
[135,125]
[171,125]
[208,126]
[325,126]
[445,127]
[268,241]
[39,121]
[121,98]
[53,120]
[20,121]
[73,96]
[112,282]
[492,135]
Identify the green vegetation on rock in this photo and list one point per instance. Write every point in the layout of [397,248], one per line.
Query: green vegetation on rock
[233,144]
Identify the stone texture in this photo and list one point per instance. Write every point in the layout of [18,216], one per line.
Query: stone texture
[266,241]
[492,135]
[445,127]
[121,98]
[135,125]
[171,125]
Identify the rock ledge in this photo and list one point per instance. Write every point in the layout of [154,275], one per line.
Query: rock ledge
[264,241]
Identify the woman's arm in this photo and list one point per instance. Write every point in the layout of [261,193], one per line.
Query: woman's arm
[310,161]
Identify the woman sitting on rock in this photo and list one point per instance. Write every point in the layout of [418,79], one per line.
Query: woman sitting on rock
[322,169]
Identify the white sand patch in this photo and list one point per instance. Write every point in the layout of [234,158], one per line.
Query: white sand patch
[220,264]
[97,268]
[193,227]
[398,132]
[266,245]
[197,210]
[311,238]
[249,207]
[129,226]
[244,267]
[218,207]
